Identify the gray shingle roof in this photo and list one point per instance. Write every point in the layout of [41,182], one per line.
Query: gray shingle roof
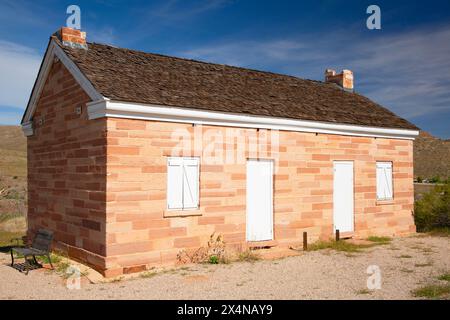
[134,76]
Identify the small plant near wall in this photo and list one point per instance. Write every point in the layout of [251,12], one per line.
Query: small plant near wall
[192,256]
[213,259]
[214,252]
[216,249]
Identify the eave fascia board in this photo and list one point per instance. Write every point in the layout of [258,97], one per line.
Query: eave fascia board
[27,128]
[54,50]
[118,109]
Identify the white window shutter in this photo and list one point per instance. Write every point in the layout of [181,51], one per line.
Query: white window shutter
[388,177]
[175,184]
[384,180]
[380,189]
[190,183]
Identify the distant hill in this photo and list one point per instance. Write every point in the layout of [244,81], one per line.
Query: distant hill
[431,156]
[13,184]
[13,151]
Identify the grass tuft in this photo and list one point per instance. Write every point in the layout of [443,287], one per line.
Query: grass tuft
[433,291]
[61,267]
[363,291]
[249,256]
[338,246]
[440,232]
[445,277]
[427,264]
[56,258]
[118,279]
[148,274]
[406,270]
[379,240]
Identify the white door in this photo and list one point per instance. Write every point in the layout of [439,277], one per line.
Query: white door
[343,196]
[259,200]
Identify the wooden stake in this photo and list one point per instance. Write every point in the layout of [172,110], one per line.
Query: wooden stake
[337,234]
[305,241]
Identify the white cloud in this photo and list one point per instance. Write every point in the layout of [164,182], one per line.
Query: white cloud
[19,66]
[407,72]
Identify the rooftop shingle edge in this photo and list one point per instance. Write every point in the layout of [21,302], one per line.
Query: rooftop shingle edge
[139,77]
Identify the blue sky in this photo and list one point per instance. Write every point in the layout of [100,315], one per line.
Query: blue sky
[405,66]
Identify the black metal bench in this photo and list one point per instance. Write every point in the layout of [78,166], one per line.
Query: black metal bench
[39,248]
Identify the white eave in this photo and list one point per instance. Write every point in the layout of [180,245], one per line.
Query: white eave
[118,109]
[27,128]
[103,107]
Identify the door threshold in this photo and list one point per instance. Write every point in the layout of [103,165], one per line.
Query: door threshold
[346,235]
[261,244]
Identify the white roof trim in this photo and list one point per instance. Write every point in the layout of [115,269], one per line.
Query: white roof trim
[54,50]
[27,128]
[117,109]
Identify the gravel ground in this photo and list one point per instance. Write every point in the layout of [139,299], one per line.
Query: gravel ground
[405,264]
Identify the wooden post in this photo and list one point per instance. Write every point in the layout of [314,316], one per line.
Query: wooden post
[337,234]
[305,241]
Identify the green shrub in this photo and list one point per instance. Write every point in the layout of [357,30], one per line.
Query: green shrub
[435,179]
[433,210]
[445,277]
[213,259]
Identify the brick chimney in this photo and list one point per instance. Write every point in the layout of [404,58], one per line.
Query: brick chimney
[72,37]
[343,79]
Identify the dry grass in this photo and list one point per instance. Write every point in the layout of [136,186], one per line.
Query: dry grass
[341,245]
[13,155]
[444,277]
[248,255]
[6,238]
[433,291]
[13,172]
[420,265]
[363,291]
[148,274]
[379,240]
[440,232]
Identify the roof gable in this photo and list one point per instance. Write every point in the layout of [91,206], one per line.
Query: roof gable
[54,51]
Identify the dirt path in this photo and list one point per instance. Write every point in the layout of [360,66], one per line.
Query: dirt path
[405,264]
